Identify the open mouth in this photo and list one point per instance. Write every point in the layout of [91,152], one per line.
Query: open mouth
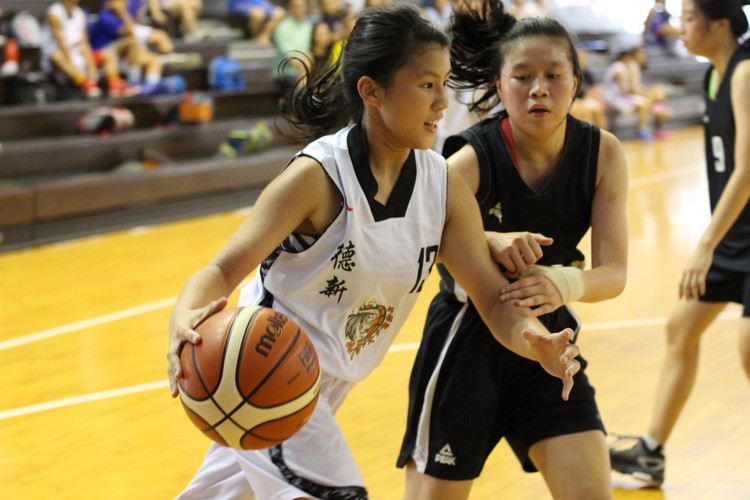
[538,112]
[432,125]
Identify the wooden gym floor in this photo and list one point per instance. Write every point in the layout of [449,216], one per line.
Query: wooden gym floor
[85,411]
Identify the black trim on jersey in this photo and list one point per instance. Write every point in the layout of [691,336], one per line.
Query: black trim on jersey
[399,199]
[315,489]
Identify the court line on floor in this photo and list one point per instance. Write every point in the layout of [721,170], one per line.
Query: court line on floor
[86,398]
[87,323]
[666,175]
[405,347]
[133,311]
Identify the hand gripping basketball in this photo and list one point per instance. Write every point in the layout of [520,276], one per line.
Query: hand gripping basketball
[253,380]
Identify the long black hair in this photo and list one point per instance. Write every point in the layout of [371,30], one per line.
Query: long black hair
[726,9]
[482,39]
[384,39]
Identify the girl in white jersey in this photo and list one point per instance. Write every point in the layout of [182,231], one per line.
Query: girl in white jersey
[718,271]
[353,225]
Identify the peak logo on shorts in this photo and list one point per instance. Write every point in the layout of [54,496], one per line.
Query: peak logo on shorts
[445,456]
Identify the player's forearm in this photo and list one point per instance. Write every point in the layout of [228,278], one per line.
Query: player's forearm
[507,321]
[604,282]
[207,284]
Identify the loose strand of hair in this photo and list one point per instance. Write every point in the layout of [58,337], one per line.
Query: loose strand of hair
[315,106]
[476,36]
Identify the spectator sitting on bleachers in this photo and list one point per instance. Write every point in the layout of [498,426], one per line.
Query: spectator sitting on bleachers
[184,12]
[66,50]
[117,27]
[130,20]
[658,32]
[293,39]
[329,28]
[624,92]
[589,104]
[262,18]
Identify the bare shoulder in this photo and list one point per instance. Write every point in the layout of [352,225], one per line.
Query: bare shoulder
[741,81]
[466,163]
[310,186]
[612,160]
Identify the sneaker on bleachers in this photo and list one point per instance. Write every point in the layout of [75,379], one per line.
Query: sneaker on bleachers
[118,88]
[149,88]
[91,90]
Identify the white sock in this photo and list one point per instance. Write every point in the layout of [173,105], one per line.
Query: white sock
[153,78]
[134,74]
[651,443]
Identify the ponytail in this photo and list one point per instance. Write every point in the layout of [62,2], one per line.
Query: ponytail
[726,9]
[384,39]
[316,105]
[481,40]
[475,51]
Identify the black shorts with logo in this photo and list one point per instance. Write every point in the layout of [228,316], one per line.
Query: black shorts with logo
[467,392]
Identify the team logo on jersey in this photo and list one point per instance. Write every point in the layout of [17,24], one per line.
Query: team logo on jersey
[497,212]
[365,324]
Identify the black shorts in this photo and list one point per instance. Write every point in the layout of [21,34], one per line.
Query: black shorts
[726,285]
[467,392]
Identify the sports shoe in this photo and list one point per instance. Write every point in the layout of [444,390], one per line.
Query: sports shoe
[630,455]
[662,134]
[644,135]
[118,88]
[91,90]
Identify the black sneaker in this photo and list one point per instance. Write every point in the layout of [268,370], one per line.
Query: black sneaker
[630,455]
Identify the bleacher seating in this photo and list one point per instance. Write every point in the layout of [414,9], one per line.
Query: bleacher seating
[682,77]
[56,183]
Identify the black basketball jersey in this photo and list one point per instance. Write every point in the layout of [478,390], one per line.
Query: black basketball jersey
[733,252]
[561,210]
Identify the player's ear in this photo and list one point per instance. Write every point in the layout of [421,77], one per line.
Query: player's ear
[723,24]
[369,90]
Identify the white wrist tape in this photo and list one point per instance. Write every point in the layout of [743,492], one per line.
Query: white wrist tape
[568,280]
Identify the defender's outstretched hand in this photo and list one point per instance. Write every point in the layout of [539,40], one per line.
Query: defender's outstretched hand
[556,355]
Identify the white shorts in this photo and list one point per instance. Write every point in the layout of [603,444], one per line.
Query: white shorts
[74,53]
[141,32]
[318,453]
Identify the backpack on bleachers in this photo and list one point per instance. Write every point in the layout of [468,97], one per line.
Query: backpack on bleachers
[225,73]
[23,27]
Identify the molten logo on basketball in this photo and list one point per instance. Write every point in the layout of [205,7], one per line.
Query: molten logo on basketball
[273,331]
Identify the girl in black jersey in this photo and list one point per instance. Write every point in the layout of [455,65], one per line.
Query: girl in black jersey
[368,182]
[718,271]
[542,179]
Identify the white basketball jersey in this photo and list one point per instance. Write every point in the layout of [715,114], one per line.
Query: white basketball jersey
[352,289]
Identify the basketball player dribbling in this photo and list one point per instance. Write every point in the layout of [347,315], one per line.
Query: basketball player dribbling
[343,240]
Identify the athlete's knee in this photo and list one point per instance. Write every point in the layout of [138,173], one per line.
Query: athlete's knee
[682,337]
[420,486]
